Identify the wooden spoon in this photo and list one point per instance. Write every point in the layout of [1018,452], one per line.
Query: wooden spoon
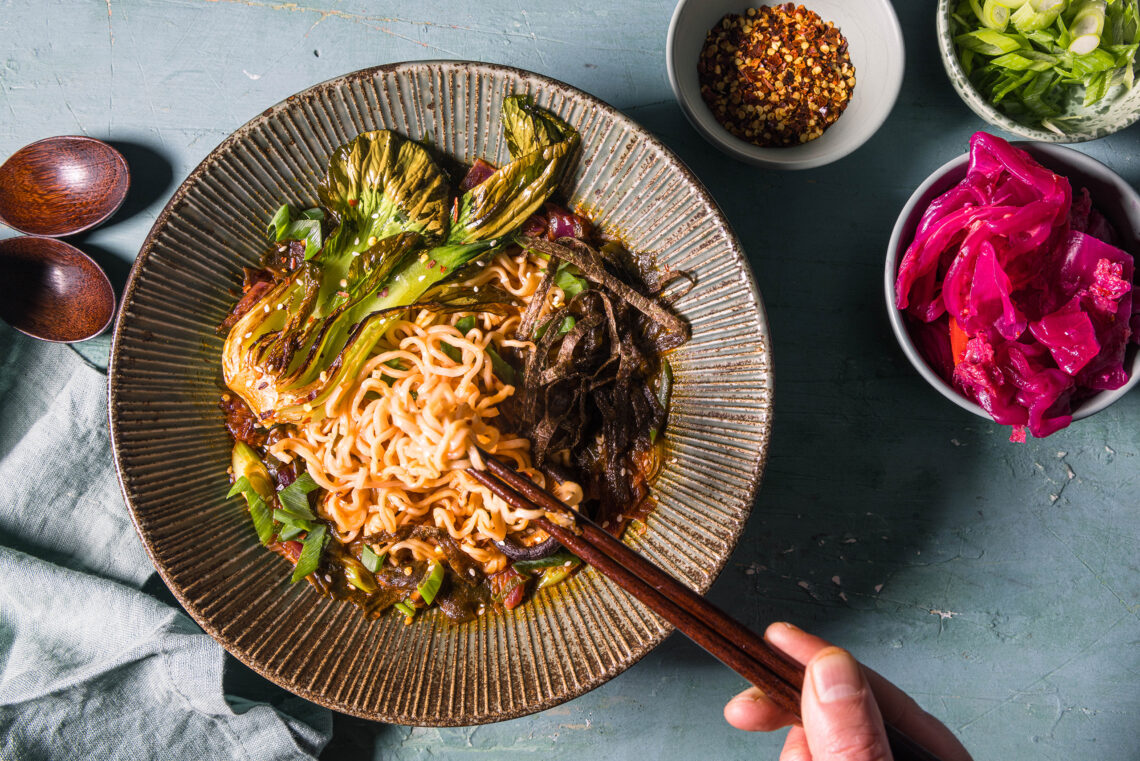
[53,291]
[62,185]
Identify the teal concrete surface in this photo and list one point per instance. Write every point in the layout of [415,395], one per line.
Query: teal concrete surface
[997,583]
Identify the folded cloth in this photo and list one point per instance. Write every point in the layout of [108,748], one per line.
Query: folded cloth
[91,666]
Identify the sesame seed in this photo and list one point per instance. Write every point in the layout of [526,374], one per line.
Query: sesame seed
[343,283]
[307,407]
[249,335]
[372,241]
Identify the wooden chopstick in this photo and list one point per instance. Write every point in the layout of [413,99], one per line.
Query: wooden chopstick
[781,693]
[738,647]
[786,669]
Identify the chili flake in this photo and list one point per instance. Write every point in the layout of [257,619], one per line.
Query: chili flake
[776,76]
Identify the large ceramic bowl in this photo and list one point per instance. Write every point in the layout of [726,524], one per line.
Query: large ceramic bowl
[1079,124]
[172,452]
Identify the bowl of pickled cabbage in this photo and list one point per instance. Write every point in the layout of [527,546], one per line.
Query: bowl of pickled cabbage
[1010,284]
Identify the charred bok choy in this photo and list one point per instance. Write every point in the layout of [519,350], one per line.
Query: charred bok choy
[395,232]
[1036,59]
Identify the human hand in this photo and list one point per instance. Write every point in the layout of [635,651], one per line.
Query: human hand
[843,707]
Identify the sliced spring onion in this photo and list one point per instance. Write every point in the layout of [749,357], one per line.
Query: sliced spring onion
[262,519]
[253,483]
[988,42]
[371,560]
[568,323]
[465,324]
[432,581]
[501,367]
[311,550]
[1087,26]
[306,227]
[288,518]
[241,485]
[288,532]
[454,352]
[1086,52]
[1037,14]
[404,608]
[570,280]
[995,15]
[294,498]
[1019,62]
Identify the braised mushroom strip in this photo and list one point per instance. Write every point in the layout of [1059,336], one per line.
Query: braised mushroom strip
[594,391]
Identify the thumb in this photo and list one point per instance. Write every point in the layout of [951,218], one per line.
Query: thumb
[840,716]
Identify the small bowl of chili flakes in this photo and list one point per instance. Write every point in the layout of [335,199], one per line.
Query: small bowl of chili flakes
[785,86]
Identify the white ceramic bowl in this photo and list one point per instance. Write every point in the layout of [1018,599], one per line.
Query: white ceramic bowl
[875,44]
[1114,197]
[1080,123]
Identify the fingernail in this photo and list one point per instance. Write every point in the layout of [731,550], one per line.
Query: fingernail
[836,676]
[751,695]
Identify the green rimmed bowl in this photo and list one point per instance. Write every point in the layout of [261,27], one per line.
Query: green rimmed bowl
[1080,124]
[171,449]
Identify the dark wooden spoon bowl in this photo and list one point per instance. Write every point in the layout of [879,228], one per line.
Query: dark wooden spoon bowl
[62,185]
[53,291]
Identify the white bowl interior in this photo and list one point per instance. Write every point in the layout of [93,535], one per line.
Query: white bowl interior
[875,44]
[1115,198]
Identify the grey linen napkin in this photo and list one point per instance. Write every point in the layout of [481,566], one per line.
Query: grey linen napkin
[91,666]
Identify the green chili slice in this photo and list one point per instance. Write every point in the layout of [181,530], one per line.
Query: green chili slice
[358,576]
[560,558]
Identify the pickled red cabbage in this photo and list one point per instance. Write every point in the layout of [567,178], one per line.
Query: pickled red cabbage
[1029,272]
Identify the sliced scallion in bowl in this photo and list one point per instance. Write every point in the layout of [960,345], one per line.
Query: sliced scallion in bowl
[1039,60]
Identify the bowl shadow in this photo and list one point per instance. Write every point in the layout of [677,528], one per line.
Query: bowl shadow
[152,177]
